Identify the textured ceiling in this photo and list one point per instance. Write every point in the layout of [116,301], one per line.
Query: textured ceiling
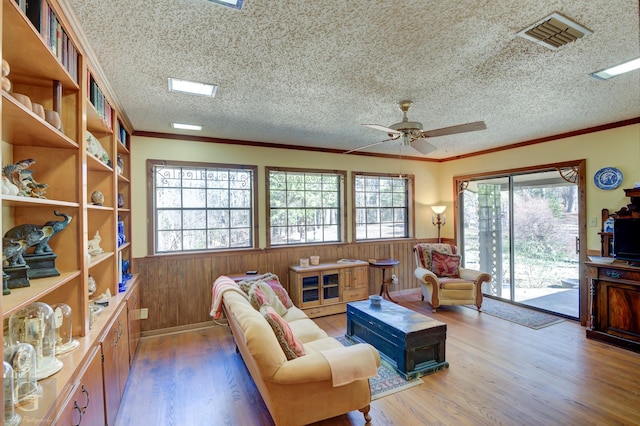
[309,73]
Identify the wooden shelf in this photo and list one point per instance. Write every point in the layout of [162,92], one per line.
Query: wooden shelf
[21,126]
[21,297]
[72,175]
[96,124]
[31,61]
[16,201]
[99,208]
[99,258]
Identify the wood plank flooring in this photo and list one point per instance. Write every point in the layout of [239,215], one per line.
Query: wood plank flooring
[500,373]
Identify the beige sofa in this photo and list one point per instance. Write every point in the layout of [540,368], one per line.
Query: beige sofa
[301,390]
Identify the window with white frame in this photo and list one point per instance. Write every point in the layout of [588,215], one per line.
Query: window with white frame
[382,206]
[198,206]
[304,206]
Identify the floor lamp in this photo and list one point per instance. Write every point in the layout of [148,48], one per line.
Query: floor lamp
[438,218]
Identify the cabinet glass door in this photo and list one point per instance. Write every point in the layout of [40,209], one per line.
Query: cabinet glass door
[330,286]
[310,290]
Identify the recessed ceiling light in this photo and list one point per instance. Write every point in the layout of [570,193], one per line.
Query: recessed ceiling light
[234,4]
[193,87]
[611,72]
[183,126]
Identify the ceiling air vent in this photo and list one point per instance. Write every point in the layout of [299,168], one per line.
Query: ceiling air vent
[554,31]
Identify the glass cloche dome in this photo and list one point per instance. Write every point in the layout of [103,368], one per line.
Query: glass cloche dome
[64,328]
[11,418]
[35,325]
[22,359]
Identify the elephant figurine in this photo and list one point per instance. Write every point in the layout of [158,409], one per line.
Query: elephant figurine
[57,225]
[11,249]
[31,234]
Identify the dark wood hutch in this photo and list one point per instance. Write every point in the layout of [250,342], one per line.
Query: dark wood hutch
[615,290]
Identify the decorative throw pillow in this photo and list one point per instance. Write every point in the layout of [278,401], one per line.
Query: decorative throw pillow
[445,265]
[280,292]
[272,297]
[257,298]
[290,344]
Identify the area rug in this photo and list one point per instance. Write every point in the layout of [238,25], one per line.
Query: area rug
[517,314]
[387,381]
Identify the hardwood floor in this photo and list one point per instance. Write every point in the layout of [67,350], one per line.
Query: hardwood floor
[500,373]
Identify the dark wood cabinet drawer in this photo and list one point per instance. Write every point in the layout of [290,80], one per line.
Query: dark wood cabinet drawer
[619,274]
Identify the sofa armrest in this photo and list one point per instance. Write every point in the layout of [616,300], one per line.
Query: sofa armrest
[314,367]
[426,276]
[472,275]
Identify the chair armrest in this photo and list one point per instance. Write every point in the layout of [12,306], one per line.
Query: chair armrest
[425,275]
[473,275]
[314,367]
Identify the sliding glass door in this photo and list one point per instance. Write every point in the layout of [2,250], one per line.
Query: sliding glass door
[523,228]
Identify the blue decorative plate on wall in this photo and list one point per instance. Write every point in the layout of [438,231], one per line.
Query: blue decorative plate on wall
[608,178]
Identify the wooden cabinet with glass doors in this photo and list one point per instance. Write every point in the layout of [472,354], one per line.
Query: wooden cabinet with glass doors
[326,288]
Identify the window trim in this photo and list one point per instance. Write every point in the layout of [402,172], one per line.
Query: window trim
[151,208]
[411,207]
[342,174]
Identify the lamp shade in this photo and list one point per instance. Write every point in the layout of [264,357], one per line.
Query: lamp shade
[438,209]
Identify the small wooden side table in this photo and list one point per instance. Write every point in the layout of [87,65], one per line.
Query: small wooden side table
[384,264]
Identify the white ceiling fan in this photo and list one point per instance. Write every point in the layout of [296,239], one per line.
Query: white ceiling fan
[412,134]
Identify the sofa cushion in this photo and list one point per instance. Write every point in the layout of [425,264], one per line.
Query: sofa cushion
[423,252]
[280,292]
[445,265]
[306,330]
[257,297]
[272,281]
[291,346]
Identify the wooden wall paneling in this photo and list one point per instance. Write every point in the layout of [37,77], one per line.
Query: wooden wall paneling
[177,289]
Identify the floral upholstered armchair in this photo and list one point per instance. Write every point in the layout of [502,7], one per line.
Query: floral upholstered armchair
[442,281]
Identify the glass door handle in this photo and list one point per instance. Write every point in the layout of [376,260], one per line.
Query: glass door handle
[577,245]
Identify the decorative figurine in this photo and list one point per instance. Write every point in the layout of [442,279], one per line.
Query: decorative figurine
[93,286]
[19,175]
[8,188]
[31,234]
[94,245]
[11,249]
[57,225]
[120,164]
[97,198]
[120,201]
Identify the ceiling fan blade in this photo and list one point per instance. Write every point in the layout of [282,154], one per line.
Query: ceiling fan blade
[383,128]
[423,146]
[372,144]
[461,128]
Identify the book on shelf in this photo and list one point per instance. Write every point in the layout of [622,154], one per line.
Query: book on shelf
[98,100]
[123,136]
[22,4]
[46,23]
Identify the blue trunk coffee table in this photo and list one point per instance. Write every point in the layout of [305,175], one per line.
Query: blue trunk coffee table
[413,343]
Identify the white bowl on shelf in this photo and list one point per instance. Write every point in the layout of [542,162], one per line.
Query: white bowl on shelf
[602,260]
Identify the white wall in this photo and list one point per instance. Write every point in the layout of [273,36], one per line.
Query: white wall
[143,148]
[618,147]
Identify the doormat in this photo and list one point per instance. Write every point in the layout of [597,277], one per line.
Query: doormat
[388,381]
[517,314]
